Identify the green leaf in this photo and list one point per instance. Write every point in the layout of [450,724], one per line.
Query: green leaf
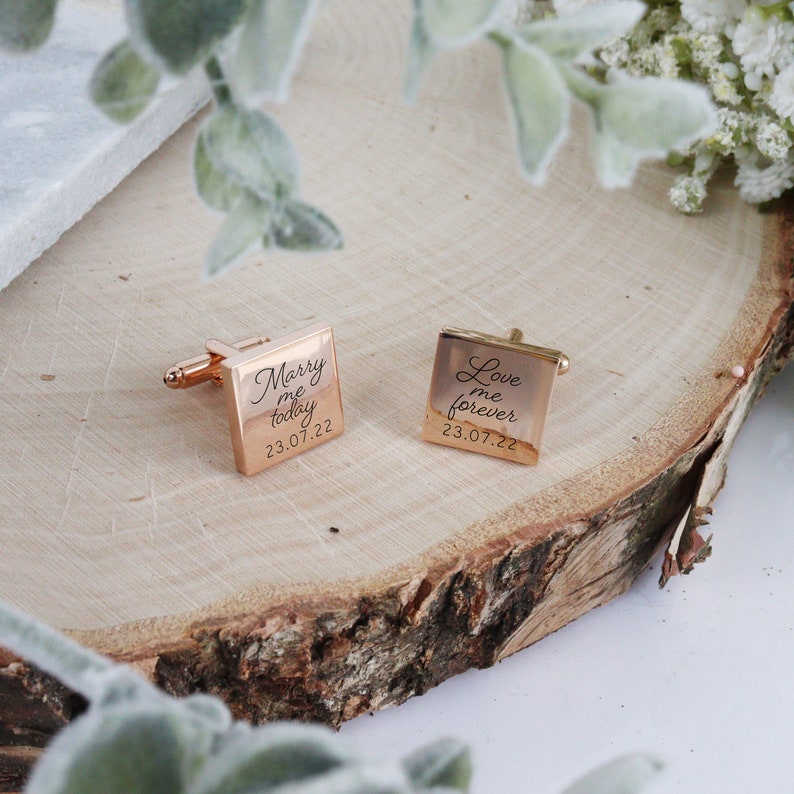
[207,710]
[79,668]
[123,83]
[421,52]
[242,231]
[455,23]
[626,775]
[539,101]
[444,763]
[272,38]
[251,150]
[216,190]
[127,750]
[25,24]
[571,36]
[260,759]
[180,33]
[655,114]
[304,228]
[616,163]
[638,118]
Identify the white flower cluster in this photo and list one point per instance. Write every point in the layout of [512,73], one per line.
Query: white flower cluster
[744,52]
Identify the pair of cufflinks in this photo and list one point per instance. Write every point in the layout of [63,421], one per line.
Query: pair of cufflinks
[488,394]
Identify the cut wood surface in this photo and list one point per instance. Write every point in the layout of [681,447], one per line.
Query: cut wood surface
[123,520]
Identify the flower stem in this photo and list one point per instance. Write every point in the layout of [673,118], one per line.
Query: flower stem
[217,80]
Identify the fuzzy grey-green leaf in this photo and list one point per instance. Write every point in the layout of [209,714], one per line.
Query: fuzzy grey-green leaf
[261,759]
[356,778]
[625,775]
[216,189]
[251,150]
[301,227]
[637,118]
[241,232]
[654,114]
[446,763]
[570,36]
[421,51]
[121,751]
[180,33]
[454,23]
[270,43]
[123,83]
[615,162]
[25,24]
[539,104]
[81,669]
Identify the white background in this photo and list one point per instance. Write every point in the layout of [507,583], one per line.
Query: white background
[700,674]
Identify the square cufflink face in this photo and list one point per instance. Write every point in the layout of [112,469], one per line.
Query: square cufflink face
[283,398]
[490,395]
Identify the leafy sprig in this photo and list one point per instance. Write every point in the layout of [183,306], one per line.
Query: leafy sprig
[135,739]
[244,163]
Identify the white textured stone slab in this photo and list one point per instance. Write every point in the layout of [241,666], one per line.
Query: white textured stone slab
[58,154]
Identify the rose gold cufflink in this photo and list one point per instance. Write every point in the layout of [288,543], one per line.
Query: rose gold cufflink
[282,396]
[491,395]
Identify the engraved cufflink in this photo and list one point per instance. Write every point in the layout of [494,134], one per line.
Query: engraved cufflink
[491,395]
[282,396]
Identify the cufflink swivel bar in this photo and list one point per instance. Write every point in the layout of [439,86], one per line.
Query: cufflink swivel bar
[207,366]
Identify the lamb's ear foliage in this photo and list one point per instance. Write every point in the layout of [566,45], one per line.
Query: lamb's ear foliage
[445,763]
[181,33]
[539,104]
[135,739]
[638,118]
[542,74]
[625,775]
[25,24]
[123,83]
[133,750]
[452,23]
[270,43]
[247,222]
[244,163]
[304,228]
[571,37]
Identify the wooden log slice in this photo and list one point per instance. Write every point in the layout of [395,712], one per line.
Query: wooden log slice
[371,568]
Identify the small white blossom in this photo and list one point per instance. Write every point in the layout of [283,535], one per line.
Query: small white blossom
[781,98]
[771,139]
[733,129]
[724,88]
[615,53]
[688,194]
[731,70]
[757,184]
[743,52]
[706,49]
[764,45]
[659,59]
[712,16]
[754,81]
